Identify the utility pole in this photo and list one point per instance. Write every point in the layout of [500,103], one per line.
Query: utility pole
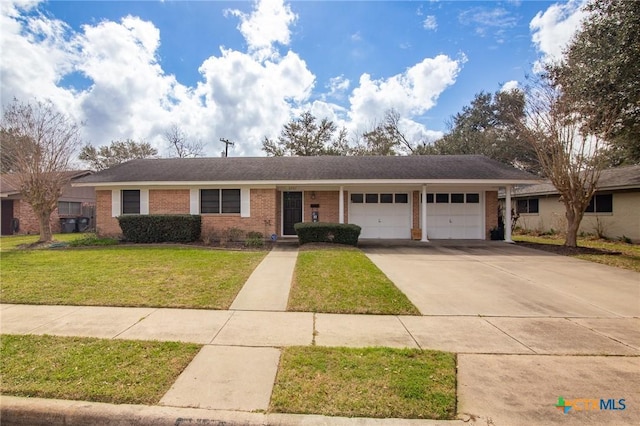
[226,143]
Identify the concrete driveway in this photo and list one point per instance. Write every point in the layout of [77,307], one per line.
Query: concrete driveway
[498,279]
[542,321]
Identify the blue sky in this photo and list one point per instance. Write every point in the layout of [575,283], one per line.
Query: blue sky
[240,70]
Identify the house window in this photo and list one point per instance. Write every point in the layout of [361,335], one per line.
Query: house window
[402,198]
[473,198]
[529,205]
[600,203]
[69,208]
[371,198]
[357,198]
[386,198]
[442,198]
[131,201]
[457,198]
[219,201]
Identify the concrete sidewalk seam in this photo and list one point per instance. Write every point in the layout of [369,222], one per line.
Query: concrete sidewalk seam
[508,335]
[135,323]
[223,326]
[593,330]
[409,332]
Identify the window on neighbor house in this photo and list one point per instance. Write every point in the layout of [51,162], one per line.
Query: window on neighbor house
[219,201]
[131,201]
[529,205]
[600,203]
[69,208]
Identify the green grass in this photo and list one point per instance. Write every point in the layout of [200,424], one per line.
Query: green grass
[613,253]
[370,382]
[113,371]
[10,242]
[178,277]
[341,280]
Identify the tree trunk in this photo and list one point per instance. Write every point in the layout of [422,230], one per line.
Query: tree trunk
[45,227]
[573,224]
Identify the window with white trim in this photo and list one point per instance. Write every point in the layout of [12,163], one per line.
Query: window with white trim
[130,201]
[528,205]
[215,201]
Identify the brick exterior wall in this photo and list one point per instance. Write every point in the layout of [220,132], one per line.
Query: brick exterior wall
[168,201]
[263,216]
[176,201]
[490,213]
[415,214]
[106,225]
[29,223]
[329,205]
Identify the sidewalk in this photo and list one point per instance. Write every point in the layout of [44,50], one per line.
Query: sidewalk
[511,370]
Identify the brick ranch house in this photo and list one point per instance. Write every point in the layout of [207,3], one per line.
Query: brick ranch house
[438,197]
[18,217]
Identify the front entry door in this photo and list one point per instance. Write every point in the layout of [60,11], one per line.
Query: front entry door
[6,211]
[291,211]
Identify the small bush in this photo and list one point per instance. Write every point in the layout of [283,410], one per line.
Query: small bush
[254,239]
[160,228]
[320,232]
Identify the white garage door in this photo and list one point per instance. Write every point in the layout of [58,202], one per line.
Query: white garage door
[381,215]
[454,216]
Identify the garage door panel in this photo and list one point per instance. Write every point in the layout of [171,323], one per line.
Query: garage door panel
[455,220]
[382,220]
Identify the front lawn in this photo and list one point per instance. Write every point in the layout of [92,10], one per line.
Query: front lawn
[113,371]
[177,277]
[369,382]
[344,280]
[10,242]
[612,253]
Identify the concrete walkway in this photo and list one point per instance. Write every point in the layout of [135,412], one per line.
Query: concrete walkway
[511,368]
[267,289]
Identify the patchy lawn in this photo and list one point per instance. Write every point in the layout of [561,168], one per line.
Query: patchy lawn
[113,371]
[342,280]
[11,242]
[612,253]
[369,382]
[177,277]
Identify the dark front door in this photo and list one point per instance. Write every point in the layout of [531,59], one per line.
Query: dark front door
[6,211]
[292,211]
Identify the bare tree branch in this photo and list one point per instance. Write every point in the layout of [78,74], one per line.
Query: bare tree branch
[39,142]
[179,144]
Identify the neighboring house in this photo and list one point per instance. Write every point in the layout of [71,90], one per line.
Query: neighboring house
[614,210]
[17,216]
[270,194]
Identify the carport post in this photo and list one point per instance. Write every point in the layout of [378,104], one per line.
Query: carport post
[423,225]
[507,219]
[341,205]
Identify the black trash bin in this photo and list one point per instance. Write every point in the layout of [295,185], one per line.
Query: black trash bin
[82,224]
[68,225]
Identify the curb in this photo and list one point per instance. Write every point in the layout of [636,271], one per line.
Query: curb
[54,412]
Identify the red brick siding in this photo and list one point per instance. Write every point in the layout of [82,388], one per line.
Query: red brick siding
[263,216]
[491,212]
[105,224]
[169,201]
[329,205]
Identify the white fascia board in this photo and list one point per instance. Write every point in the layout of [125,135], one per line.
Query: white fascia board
[293,183]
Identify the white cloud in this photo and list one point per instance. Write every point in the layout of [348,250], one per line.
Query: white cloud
[552,29]
[483,19]
[266,25]
[242,96]
[410,93]
[430,23]
[510,85]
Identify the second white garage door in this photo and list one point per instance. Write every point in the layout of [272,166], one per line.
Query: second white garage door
[381,215]
[456,215]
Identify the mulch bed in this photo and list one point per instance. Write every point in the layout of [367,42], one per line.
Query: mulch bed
[567,251]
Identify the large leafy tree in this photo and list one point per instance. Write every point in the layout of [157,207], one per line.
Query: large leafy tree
[600,72]
[489,126]
[39,143]
[305,136]
[117,152]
